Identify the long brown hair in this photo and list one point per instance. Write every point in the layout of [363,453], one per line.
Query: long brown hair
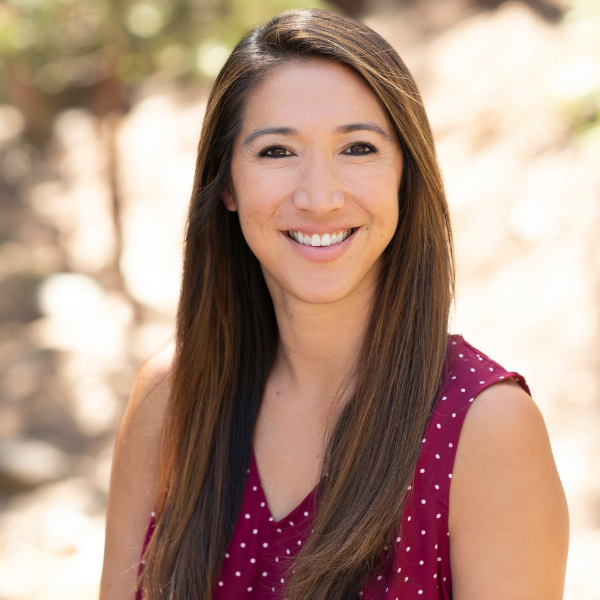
[227,338]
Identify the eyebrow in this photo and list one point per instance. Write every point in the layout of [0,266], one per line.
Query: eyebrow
[341,129]
[269,130]
[364,127]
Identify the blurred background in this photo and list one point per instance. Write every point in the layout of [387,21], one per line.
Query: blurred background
[101,105]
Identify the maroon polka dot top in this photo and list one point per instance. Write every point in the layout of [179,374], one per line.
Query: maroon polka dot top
[261,548]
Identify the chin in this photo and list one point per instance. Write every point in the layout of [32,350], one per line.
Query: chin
[318,288]
[328,293]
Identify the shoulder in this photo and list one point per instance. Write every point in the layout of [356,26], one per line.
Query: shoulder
[138,444]
[506,414]
[507,512]
[138,441]
[132,493]
[465,364]
[503,435]
[468,371]
[155,372]
[148,400]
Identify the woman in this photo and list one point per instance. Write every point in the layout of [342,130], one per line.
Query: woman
[300,440]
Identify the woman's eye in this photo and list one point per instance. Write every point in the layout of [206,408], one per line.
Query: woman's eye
[361,148]
[276,152]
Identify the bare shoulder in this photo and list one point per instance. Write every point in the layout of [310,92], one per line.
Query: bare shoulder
[138,441]
[150,394]
[507,414]
[508,517]
[132,494]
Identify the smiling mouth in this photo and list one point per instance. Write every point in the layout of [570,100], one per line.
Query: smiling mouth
[327,239]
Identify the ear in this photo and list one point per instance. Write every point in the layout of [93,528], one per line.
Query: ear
[228,197]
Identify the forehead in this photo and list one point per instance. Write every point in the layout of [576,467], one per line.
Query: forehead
[313,93]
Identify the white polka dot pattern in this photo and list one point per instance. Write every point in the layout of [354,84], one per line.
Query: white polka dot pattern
[262,549]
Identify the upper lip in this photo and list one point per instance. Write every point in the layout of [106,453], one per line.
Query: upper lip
[321,229]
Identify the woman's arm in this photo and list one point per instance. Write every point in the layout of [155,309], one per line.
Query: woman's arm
[508,519]
[133,478]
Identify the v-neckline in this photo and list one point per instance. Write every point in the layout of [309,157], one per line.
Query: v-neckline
[289,520]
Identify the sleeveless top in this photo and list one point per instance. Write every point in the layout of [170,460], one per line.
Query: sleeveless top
[261,548]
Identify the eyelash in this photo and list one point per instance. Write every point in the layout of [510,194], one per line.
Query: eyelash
[371,148]
[263,153]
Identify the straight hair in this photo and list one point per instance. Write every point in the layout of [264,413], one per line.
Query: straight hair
[227,337]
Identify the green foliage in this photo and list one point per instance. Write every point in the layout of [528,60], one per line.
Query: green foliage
[577,84]
[52,48]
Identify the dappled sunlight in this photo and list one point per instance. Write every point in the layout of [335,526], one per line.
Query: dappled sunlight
[81,318]
[157,144]
[54,544]
[91,234]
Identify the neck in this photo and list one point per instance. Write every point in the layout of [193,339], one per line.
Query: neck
[318,345]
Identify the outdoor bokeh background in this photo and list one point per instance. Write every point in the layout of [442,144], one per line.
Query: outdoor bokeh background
[101,105]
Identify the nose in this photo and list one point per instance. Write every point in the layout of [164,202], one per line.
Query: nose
[319,190]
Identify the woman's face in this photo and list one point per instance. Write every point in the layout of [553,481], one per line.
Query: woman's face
[315,173]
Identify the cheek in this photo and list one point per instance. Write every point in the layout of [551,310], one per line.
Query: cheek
[256,202]
[387,222]
[251,222]
[378,196]
[258,223]
[262,191]
[262,205]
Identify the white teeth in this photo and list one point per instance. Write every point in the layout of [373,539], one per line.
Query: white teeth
[327,239]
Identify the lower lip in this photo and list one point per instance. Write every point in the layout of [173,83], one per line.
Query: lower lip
[321,254]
